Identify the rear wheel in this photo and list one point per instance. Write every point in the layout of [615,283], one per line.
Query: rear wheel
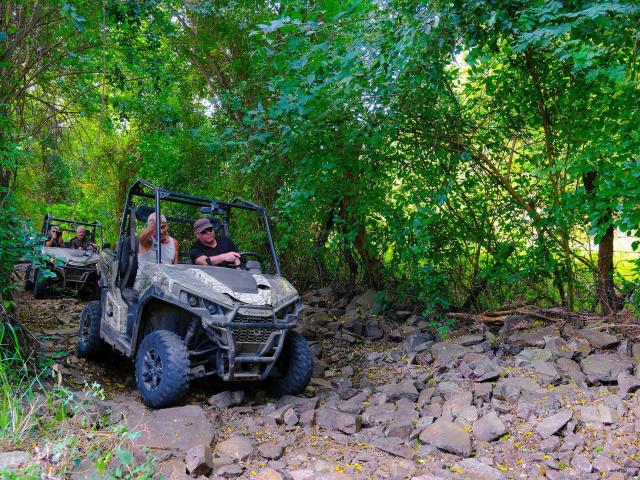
[40,285]
[89,341]
[162,369]
[293,368]
[28,283]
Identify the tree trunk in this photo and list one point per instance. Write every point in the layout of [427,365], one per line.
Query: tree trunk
[605,291]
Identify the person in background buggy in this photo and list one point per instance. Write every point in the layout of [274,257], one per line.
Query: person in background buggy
[55,237]
[82,241]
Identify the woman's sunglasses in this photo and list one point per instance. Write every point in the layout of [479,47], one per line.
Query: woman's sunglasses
[207,230]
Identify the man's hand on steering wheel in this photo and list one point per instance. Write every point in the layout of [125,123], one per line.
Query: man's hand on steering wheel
[231,258]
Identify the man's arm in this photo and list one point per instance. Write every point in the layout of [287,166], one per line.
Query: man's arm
[146,234]
[175,258]
[229,257]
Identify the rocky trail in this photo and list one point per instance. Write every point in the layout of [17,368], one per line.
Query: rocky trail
[522,398]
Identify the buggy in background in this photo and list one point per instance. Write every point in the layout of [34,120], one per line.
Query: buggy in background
[68,268]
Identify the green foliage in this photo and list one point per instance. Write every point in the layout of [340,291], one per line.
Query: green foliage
[438,151]
[33,412]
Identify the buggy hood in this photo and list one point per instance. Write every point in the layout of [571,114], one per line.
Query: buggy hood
[224,285]
[71,257]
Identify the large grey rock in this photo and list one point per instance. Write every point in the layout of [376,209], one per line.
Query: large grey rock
[199,460]
[353,322]
[551,425]
[173,468]
[418,342]
[509,388]
[480,367]
[546,371]
[355,404]
[224,400]
[394,446]
[445,352]
[271,450]
[372,330]
[447,436]
[404,389]
[17,458]
[456,403]
[543,403]
[178,428]
[605,368]
[400,429]
[595,414]
[378,414]
[236,447]
[335,420]
[229,471]
[529,355]
[299,404]
[581,463]
[489,427]
[550,444]
[476,470]
[597,338]
[559,347]
[366,300]
[571,369]
[468,340]
[268,473]
[605,464]
[627,384]
[533,338]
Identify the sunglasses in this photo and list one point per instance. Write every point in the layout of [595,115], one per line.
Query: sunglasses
[207,230]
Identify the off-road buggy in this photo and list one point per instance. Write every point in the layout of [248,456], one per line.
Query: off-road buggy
[66,267]
[186,322]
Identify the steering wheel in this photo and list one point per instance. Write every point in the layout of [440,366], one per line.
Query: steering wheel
[244,257]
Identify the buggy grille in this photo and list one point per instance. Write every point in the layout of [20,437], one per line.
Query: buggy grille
[251,335]
[252,319]
[76,274]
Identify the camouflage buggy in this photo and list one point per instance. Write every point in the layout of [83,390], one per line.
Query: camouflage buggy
[69,269]
[184,321]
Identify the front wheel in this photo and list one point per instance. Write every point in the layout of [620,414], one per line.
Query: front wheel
[89,341]
[40,285]
[28,283]
[162,369]
[293,368]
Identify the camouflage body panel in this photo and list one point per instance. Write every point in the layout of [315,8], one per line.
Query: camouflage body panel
[219,284]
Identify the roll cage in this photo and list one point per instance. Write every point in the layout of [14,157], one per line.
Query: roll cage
[211,207]
[50,220]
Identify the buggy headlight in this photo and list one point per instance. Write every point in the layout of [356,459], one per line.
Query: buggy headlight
[191,299]
[214,308]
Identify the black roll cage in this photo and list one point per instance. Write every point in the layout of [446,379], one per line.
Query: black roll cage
[50,220]
[144,189]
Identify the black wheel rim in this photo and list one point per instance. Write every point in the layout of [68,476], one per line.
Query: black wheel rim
[151,370]
[84,330]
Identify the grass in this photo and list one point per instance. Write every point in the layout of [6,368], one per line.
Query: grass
[57,427]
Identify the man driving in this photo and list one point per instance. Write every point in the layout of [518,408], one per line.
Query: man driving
[212,250]
[81,241]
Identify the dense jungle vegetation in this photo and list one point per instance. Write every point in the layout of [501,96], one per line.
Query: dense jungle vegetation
[463,154]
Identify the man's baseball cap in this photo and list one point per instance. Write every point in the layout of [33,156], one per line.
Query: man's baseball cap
[202,224]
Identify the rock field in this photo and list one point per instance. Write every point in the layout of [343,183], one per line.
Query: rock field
[521,400]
